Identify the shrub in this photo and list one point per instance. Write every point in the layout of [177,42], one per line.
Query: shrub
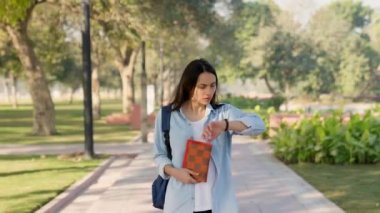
[330,140]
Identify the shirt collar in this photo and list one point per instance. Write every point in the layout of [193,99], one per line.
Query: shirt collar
[209,109]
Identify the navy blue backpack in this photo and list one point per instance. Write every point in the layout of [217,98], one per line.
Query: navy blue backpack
[160,184]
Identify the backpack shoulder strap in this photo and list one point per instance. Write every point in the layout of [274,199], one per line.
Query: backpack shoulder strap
[165,125]
[216,106]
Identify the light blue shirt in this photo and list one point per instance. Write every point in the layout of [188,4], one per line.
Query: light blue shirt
[179,196]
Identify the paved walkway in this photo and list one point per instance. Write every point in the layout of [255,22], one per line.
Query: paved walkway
[263,184]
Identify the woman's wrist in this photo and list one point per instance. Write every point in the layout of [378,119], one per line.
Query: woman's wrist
[226,125]
[236,126]
[169,170]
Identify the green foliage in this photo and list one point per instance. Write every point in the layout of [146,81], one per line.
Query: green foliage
[345,60]
[321,80]
[355,67]
[124,24]
[249,20]
[354,12]
[224,51]
[9,62]
[373,31]
[110,77]
[230,35]
[264,115]
[337,52]
[14,11]
[69,72]
[251,103]
[251,17]
[272,49]
[329,140]
[59,57]
[287,59]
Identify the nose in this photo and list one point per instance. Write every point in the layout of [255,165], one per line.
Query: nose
[210,91]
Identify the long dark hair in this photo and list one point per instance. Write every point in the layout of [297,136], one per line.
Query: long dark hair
[189,80]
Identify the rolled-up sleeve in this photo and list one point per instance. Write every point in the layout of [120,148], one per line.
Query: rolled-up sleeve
[254,123]
[160,153]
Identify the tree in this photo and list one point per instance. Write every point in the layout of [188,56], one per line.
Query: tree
[287,61]
[67,73]
[55,45]
[326,31]
[333,30]
[273,50]
[373,31]
[232,37]
[251,19]
[224,50]
[67,18]
[15,17]
[140,20]
[355,68]
[179,49]
[354,12]
[10,68]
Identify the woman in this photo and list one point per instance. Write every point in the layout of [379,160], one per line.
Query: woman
[196,115]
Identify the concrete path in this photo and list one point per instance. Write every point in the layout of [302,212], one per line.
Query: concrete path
[266,185]
[263,184]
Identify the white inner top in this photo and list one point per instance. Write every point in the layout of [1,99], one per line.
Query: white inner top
[203,195]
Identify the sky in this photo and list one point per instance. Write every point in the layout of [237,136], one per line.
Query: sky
[304,9]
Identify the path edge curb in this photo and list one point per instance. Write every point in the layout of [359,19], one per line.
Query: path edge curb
[67,196]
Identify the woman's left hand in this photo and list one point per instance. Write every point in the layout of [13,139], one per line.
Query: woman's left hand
[213,129]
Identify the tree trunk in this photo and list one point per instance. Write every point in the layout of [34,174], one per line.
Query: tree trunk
[126,73]
[174,78]
[366,90]
[166,87]
[6,90]
[96,102]
[156,80]
[43,106]
[116,94]
[144,116]
[71,97]
[270,88]
[161,82]
[127,88]
[133,88]
[287,91]
[13,85]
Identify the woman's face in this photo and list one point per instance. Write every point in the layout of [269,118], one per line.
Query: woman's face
[204,89]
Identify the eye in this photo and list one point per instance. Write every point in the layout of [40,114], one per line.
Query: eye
[202,86]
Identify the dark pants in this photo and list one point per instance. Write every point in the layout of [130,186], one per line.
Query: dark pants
[208,211]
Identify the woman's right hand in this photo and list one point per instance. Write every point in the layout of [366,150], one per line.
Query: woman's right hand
[181,174]
[184,175]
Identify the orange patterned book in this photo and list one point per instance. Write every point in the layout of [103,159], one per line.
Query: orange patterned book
[197,158]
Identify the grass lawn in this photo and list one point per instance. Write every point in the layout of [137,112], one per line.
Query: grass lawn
[28,182]
[355,188]
[16,125]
